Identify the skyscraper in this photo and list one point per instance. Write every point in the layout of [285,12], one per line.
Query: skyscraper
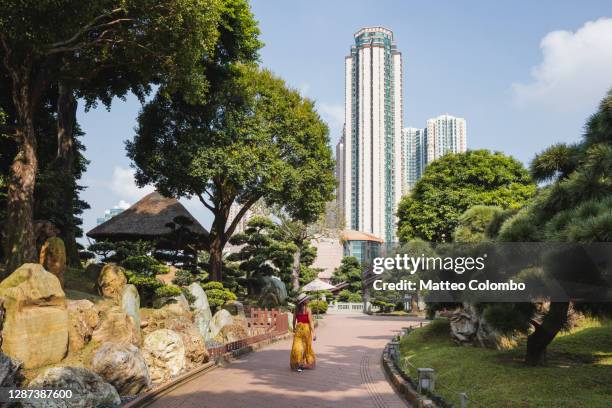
[413,157]
[371,181]
[445,134]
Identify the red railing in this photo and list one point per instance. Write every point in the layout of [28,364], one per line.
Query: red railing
[271,321]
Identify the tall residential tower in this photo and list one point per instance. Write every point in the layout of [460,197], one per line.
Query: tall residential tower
[445,134]
[371,178]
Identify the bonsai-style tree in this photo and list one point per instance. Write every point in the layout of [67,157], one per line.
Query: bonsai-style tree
[456,182]
[574,207]
[350,272]
[255,139]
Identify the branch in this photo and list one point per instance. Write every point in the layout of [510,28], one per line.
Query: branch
[210,207]
[87,27]
[239,216]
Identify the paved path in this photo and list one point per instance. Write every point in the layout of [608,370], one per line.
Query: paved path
[348,372]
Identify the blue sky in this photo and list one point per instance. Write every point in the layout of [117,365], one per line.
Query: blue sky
[524,74]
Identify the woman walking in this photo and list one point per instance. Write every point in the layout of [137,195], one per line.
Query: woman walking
[302,354]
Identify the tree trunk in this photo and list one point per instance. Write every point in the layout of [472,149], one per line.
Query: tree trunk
[538,341]
[216,258]
[66,120]
[295,271]
[20,246]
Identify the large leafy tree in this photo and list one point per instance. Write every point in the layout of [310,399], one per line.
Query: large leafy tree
[255,139]
[95,49]
[576,206]
[456,182]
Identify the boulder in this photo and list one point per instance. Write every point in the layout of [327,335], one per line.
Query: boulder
[235,308]
[164,353]
[195,346]
[130,303]
[116,326]
[273,292]
[53,257]
[93,271]
[111,281]
[88,389]
[201,309]
[36,321]
[179,300]
[220,319]
[83,318]
[464,326]
[201,300]
[174,317]
[232,332]
[10,372]
[123,366]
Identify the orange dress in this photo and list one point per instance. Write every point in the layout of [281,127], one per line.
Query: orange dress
[302,354]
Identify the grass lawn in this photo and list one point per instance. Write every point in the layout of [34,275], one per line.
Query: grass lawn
[578,372]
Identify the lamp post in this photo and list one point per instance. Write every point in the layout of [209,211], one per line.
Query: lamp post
[426,379]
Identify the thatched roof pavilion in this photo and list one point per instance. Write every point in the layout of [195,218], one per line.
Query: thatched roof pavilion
[150,219]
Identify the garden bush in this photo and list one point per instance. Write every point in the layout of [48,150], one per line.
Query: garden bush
[217,294]
[167,291]
[318,306]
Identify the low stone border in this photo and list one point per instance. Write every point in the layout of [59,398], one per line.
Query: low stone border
[402,385]
[156,393]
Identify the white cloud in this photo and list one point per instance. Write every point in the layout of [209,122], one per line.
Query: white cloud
[332,113]
[124,185]
[575,72]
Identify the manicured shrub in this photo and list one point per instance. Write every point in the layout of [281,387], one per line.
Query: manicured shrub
[217,294]
[318,306]
[168,291]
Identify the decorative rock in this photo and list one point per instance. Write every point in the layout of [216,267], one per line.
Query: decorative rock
[88,389]
[201,300]
[53,257]
[179,300]
[232,332]
[118,327]
[195,347]
[463,327]
[164,353]
[123,366]
[36,321]
[273,292]
[10,372]
[83,317]
[235,308]
[111,281]
[93,271]
[220,319]
[130,303]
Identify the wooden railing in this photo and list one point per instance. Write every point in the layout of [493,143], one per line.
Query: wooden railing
[270,322]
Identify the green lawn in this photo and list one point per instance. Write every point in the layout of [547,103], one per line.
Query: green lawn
[578,373]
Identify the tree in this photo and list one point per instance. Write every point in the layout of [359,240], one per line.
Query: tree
[574,207]
[300,234]
[95,49]
[349,272]
[255,139]
[262,254]
[473,224]
[456,182]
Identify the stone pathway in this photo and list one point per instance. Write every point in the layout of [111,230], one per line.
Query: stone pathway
[348,373]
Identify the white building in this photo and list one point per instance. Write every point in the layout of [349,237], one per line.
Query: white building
[371,179]
[413,157]
[445,134]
